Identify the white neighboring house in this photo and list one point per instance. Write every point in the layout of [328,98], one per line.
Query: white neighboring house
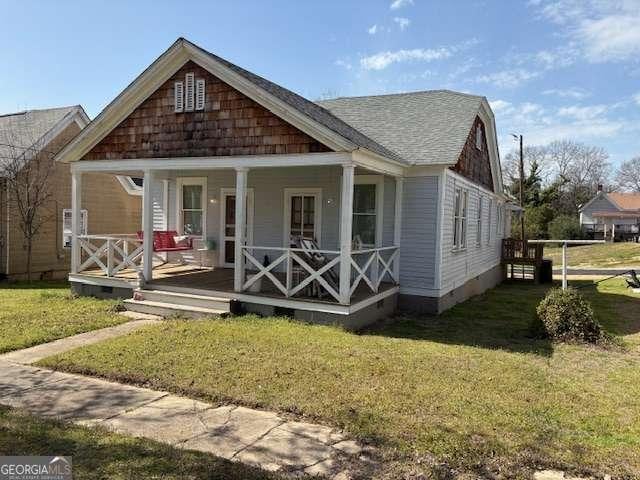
[613,216]
[401,193]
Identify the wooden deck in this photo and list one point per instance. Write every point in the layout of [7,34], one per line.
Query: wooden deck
[220,280]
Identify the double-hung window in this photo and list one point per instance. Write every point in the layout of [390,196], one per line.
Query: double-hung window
[460,218]
[192,205]
[479,222]
[489,222]
[499,221]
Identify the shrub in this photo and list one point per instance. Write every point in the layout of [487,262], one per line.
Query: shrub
[567,316]
[565,227]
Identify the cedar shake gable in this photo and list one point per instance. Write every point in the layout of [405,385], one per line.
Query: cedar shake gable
[230,124]
[474,163]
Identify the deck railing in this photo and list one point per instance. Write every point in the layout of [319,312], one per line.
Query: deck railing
[110,253]
[513,251]
[297,269]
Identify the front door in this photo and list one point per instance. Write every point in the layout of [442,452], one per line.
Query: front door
[228,225]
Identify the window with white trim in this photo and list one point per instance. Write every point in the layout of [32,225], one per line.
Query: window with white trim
[498,220]
[67,224]
[189,95]
[460,218]
[192,206]
[489,222]
[368,193]
[479,222]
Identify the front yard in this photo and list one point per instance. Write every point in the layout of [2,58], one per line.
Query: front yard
[471,388]
[97,453]
[36,313]
[608,255]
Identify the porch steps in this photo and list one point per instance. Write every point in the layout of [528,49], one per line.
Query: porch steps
[167,304]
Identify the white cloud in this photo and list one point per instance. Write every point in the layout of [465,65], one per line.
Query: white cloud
[373,29]
[583,113]
[602,30]
[636,98]
[382,60]
[402,22]
[396,4]
[507,78]
[499,105]
[574,92]
[343,63]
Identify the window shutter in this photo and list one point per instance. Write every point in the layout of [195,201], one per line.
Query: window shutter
[189,93]
[84,222]
[66,227]
[178,92]
[200,94]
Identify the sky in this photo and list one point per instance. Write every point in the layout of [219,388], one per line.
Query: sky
[551,69]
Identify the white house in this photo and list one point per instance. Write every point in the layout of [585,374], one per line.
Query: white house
[612,216]
[340,210]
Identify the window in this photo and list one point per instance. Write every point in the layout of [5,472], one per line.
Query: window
[178,94]
[479,140]
[460,218]
[479,222]
[302,213]
[498,221]
[191,206]
[489,222]
[67,225]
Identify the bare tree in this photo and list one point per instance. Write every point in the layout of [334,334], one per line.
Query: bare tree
[628,175]
[27,169]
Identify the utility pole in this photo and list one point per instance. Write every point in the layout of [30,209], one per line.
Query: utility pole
[522,196]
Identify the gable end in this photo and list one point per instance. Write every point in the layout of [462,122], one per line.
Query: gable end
[229,124]
[474,163]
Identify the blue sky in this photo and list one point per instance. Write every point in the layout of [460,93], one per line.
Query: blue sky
[550,68]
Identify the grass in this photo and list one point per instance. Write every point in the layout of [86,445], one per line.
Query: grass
[469,388]
[608,255]
[40,312]
[97,453]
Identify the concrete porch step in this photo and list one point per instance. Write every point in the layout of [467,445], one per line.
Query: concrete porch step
[179,298]
[165,309]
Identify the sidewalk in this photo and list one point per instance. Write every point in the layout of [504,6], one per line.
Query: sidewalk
[255,437]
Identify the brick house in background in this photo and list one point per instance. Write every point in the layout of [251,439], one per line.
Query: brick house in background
[113,203]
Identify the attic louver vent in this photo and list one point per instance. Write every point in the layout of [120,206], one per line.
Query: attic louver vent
[178,92]
[189,92]
[200,94]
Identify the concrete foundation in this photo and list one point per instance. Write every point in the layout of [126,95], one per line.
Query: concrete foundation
[436,305]
[101,291]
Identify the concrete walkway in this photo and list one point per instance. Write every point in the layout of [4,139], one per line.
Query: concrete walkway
[255,437]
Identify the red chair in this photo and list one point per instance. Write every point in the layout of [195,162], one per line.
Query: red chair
[163,241]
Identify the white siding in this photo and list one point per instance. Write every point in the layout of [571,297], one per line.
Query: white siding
[418,241]
[458,266]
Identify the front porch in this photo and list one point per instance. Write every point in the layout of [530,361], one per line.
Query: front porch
[315,238]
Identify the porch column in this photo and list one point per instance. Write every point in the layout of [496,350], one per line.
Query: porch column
[241,221]
[397,225]
[76,220]
[346,221]
[147,226]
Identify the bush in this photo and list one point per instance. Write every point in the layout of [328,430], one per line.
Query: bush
[567,316]
[565,227]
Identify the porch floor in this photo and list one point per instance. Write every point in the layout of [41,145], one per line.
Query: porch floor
[220,279]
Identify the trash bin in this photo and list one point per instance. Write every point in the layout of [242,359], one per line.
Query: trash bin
[546,271]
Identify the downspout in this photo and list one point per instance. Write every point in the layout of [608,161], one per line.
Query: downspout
[8,232]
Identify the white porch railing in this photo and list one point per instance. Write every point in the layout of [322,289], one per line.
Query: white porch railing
[110,253]
[295,269]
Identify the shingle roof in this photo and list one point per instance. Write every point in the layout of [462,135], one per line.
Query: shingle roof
[309,108]
[626,201]
[424,127]
[24,129]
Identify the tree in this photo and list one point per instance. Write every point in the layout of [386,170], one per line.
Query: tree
[628,175]
[27,170]
[565,227]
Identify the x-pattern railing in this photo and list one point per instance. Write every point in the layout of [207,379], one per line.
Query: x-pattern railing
[374,267]
[111,253]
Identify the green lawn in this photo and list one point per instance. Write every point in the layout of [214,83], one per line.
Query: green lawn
[41,312]
[608,255]
[470,388]
[97,453]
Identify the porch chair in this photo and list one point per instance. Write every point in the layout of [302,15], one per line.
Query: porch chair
[316,260]
[163,241]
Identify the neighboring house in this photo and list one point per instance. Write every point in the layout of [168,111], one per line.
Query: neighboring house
[29,135]
[612,216]
[403,194]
